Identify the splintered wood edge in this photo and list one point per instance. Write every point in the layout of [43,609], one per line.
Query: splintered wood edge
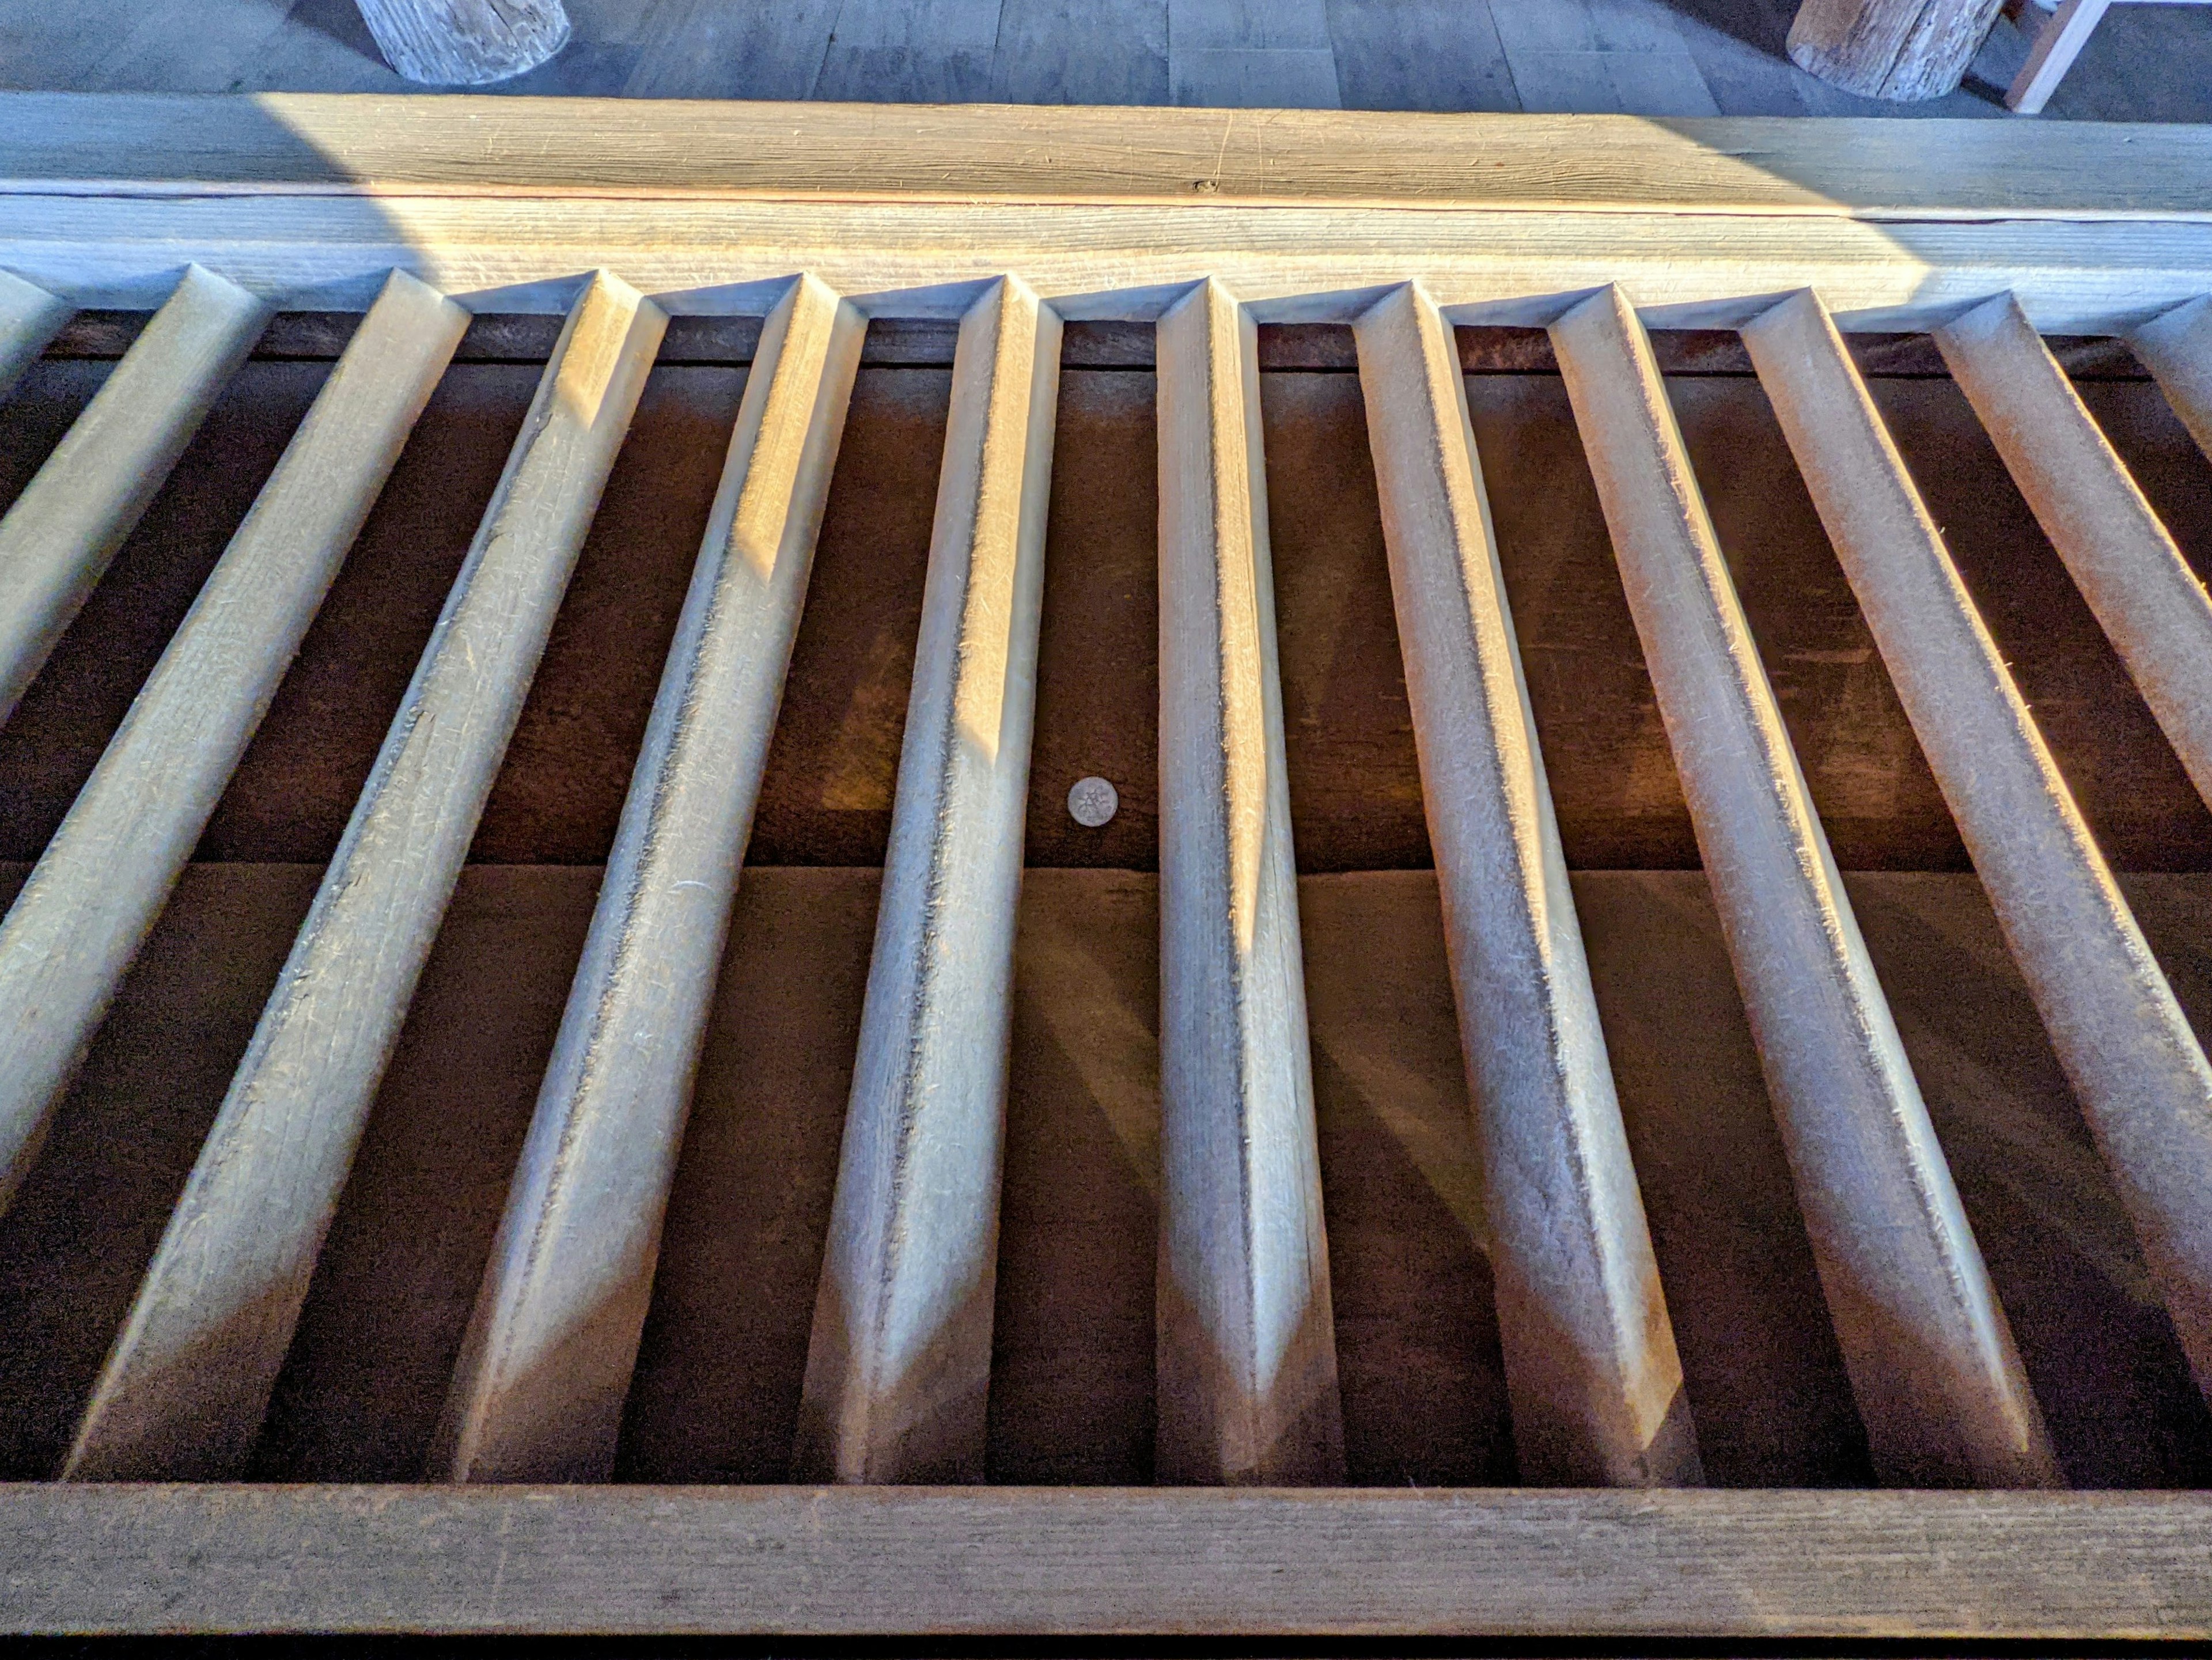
[149,1558]
[403,145]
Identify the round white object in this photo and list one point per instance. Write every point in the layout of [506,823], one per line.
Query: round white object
[1093,802]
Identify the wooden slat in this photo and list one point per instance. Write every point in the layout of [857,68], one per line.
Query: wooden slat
[1928,1350]
[538,1393]
[30,317]
[2127,1046]
[1590,1363]
[2176,346]
[77,927]
[188,1380]
[1070,1561]
[2150,602]
[899,1365]
[1290,261]
[1591,163]
[1247,1389]
[58,538]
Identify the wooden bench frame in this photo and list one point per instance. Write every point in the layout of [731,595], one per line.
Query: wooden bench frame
[311,202]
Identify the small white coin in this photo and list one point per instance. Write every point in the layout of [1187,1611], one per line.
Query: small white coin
[1092,802]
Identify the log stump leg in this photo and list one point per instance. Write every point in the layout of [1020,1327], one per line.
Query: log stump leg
[465,43]
[1901,50]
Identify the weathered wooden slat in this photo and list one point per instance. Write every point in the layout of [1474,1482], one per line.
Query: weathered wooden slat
[78,925]
[1590,1363]
[2176,347]
[29,317]
[1247,1389]
[1928,1348]
[1294,261]
[899,1365]
[2150,602]
[538,1393]
[188,1379]
[58,538]
[840,1561]
[2123,1038]
[536,148]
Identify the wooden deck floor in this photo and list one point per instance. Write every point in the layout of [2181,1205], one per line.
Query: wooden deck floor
[1657,58]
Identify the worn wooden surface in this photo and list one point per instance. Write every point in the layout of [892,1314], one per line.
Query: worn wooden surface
[1906,50]
[2177,346]
[898,1376]
[1247,1346]
[1931,1355]
[811,1561]
[2151,603]
[540,1389]
[68,522]
[715,219]
[864,152]
[109,868]
[2121,1035]
[1590,1352]
[185,1386]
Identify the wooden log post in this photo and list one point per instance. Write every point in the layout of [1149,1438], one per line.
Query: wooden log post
[465,43]
[1904,51]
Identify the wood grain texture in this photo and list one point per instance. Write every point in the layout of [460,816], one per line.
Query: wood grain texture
[546,1363]
[465,43]
[784,1559]
[2176,346]
[1930,1354]
[1248,1388]
[74,932]
[1903,50]
[1590,1350]
[2123,1038]
[187,1381]
[898,1371]
[866,152]
[30,317]
[2152,605]
[2079,273]
[65,526]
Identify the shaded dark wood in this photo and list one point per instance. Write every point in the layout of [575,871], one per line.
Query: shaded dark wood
[1068,1560]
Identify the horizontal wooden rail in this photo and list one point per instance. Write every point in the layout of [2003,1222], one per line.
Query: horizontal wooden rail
[1930,1352]
[847,1561]
[865,152]
[538,1392]
[185,1386]
[30,317]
